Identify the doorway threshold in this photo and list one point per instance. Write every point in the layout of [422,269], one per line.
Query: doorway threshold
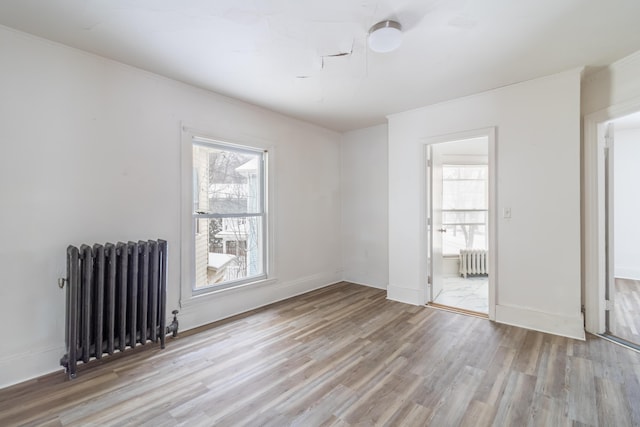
[620,342]
[458,310]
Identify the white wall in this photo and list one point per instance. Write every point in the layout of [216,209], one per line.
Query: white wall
[616,84]
[90,152]
[538,177]
[365,207]
[626,203]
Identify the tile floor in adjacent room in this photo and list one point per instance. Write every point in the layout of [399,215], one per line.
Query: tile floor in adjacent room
[471,293]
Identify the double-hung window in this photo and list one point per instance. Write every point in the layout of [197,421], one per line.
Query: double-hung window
[229,215]
[465,198]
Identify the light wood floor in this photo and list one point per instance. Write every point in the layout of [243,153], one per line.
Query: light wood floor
[626,318]
[343,356]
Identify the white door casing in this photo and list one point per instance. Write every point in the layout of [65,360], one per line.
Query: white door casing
[609,232]
[436,222]
[490,134]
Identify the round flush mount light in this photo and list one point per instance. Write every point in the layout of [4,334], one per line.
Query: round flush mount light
[385,36]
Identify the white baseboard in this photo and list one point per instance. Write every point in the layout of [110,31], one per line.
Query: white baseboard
[408,296]
[369,285]
[22,367]
[571,327]
[227,304]
[627,273]
[371,280]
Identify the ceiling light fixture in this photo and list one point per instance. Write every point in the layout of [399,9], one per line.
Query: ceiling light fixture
[385,36]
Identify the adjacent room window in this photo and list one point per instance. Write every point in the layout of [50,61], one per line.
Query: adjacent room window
[465,199]
[229,215]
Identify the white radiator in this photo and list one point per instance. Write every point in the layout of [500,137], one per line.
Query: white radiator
[473,261]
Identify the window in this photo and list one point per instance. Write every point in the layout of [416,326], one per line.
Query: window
[464,207]
[229,215]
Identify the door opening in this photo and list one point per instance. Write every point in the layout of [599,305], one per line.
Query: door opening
[622,266]
[459,223]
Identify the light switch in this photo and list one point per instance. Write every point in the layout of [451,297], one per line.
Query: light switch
[506,213]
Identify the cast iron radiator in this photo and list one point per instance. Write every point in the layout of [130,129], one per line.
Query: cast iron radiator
[116,299]
[473,261]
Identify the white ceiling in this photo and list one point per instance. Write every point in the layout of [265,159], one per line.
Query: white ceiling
[308,59]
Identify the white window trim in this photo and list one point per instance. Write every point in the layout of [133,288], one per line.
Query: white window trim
[187,247]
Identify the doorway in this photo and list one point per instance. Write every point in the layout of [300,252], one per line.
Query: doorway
[460,223]
[621,174]
[607,309]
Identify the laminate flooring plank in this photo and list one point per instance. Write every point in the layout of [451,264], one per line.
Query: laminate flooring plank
[334,422]
[547,411]
[491,389]
[512,337]
[197,419]
[54,422]
[290,385]
[381,400]
[442,375]
[632,393]
[409,413]
[323,409]
[487,343]
[455,399]
[515,405]
[611,404]
[54,403]
[125,403]
[551,370]
[478,414]
[581,400]
[529,354]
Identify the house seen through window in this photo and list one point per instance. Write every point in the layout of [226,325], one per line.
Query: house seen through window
[229,214]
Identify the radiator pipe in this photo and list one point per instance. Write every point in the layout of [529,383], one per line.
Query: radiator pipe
[173,327]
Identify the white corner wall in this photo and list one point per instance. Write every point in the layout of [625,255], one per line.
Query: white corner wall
[365,224]
[626,203]
[538,176]
[90,152]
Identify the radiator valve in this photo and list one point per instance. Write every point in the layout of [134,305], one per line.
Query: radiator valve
[173,327]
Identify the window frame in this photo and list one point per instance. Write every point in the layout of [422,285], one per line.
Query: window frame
[190,137]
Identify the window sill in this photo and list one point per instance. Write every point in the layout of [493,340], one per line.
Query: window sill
[203,298]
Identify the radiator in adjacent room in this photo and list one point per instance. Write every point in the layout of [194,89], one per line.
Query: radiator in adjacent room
[473,261]
[116,299]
